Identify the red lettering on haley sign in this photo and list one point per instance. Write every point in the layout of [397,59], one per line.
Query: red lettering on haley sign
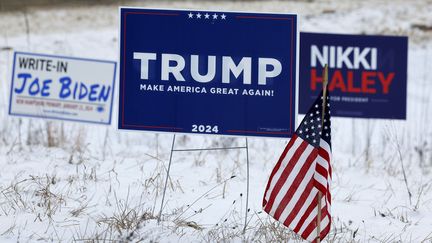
[371,82]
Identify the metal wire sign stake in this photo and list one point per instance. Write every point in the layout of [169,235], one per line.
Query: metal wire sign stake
[207,149]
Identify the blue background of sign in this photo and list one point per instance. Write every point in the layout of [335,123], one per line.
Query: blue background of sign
[392,57]
[239,35]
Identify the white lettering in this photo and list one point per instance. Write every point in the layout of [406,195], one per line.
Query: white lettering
[174,70]
[339,57]
[145,58]
[228,67]
[211,69]
[360,57]
[343,57]
[264,73]
[321,56]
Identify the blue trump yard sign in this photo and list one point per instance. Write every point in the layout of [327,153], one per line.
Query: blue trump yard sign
[367,74]
[208,72]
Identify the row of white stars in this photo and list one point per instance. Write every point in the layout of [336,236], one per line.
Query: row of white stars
[206,16]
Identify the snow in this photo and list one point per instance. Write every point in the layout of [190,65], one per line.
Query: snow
[98,183]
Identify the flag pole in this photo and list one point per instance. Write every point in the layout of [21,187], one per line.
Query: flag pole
[325,82]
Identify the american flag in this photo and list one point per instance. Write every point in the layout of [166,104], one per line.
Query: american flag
[303,170]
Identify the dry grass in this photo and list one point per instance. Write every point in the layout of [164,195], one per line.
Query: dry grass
[35,194]
[126,220]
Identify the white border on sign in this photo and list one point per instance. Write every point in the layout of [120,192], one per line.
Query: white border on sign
[297,77]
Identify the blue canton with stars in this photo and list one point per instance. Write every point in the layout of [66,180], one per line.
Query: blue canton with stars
[312,126]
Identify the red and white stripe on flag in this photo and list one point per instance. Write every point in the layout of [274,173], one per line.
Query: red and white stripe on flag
[291,196]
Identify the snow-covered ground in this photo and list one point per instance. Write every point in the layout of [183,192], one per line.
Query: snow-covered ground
[62,181]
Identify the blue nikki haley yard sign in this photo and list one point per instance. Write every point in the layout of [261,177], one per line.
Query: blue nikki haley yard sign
[208,72]
[367,74]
